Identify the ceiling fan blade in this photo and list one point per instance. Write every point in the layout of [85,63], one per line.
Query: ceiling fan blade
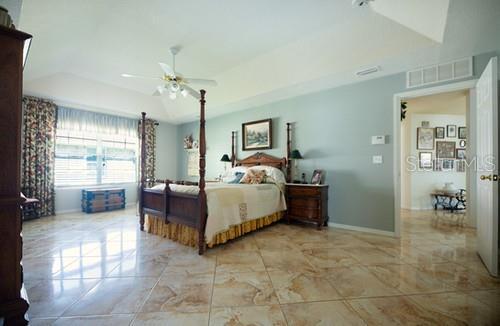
[208,82]
[192,92]
[142,77]
[167,69]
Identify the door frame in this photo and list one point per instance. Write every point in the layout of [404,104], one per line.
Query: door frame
[398,97]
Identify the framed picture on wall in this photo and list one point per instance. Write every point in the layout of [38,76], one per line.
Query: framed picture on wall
[445,149]
[461,154]
[257,135]
[440,133]
[451,131]
[425,160]
[425,138]
[462,132]
[461,166]
[462,143]
[448,165]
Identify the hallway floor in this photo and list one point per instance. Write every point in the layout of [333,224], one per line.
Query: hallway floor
[100,270]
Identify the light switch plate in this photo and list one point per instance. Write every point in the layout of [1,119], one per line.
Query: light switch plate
[378,140]
[377,159]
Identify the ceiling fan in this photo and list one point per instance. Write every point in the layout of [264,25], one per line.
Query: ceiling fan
[174,82]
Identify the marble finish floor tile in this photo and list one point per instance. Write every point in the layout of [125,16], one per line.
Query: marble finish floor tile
[331,257]
[286,260]
[408,279]
[50,298]
[242,289]
[114,296]
[321,313]
[292,287]
[45,268]
[170,319]
[99,269]
[248,261]
[180,292]
[358,281]
[398,311]
[460,307]
[250,315]
[115,320]
[135,265]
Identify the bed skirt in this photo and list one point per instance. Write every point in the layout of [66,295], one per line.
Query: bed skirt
[189,236]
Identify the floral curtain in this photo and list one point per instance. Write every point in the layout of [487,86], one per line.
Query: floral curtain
[37,176]
[150,141]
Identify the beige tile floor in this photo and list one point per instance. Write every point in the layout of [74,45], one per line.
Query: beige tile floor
[100,270]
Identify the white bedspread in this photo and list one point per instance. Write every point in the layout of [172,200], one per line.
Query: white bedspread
[233,204]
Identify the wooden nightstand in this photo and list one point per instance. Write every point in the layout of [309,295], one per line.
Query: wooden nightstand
[307,203]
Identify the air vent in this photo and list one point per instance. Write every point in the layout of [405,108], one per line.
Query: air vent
[442,72]
[367,71]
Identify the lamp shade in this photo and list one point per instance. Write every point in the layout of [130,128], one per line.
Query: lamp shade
[225,158]
[296,155]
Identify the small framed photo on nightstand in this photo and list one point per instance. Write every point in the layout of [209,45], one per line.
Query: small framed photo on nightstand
[317,177]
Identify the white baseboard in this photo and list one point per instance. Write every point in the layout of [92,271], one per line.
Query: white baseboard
[362,229]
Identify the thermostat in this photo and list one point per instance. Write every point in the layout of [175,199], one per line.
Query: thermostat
[378,140]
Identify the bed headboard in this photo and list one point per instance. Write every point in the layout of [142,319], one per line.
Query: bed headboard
[262,159]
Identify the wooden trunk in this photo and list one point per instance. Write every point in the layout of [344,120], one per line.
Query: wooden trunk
[13,302]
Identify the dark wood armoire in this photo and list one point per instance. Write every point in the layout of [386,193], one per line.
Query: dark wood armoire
[13,301]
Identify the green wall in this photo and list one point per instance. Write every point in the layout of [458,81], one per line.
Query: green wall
[333,130]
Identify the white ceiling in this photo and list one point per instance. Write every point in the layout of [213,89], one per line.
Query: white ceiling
[259,51]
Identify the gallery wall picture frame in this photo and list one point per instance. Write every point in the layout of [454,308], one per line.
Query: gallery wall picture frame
[440,132]
[461,154]
[445,149]
[425,138]
[425,160]
[462,143]
[451,131]
[257,135]
[461,166]
[448,165]
[462,132]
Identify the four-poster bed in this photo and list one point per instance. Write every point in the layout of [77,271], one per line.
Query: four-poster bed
[181,208]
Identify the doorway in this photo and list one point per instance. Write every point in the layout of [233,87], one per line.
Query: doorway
[434,174]
[482,147]
[465,87]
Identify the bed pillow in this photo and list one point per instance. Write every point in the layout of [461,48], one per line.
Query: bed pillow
[237,177]
[273,175]
[254,176]
[230,174]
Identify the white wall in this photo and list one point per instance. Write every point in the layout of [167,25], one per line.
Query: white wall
[422,183]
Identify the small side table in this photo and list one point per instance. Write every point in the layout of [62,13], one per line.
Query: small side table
[307,203]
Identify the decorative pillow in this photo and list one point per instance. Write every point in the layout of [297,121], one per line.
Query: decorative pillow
[254,177]
[237,177]
[230,174]
[273,175]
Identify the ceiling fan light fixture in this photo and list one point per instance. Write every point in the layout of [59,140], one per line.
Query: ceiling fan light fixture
[184,92]
[172,95]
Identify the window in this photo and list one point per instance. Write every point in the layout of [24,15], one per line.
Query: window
[84,159]
[89,151]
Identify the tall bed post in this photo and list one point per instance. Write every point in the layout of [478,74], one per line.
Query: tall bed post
[202,196]
[233,154]
[288,152]
[143,169]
